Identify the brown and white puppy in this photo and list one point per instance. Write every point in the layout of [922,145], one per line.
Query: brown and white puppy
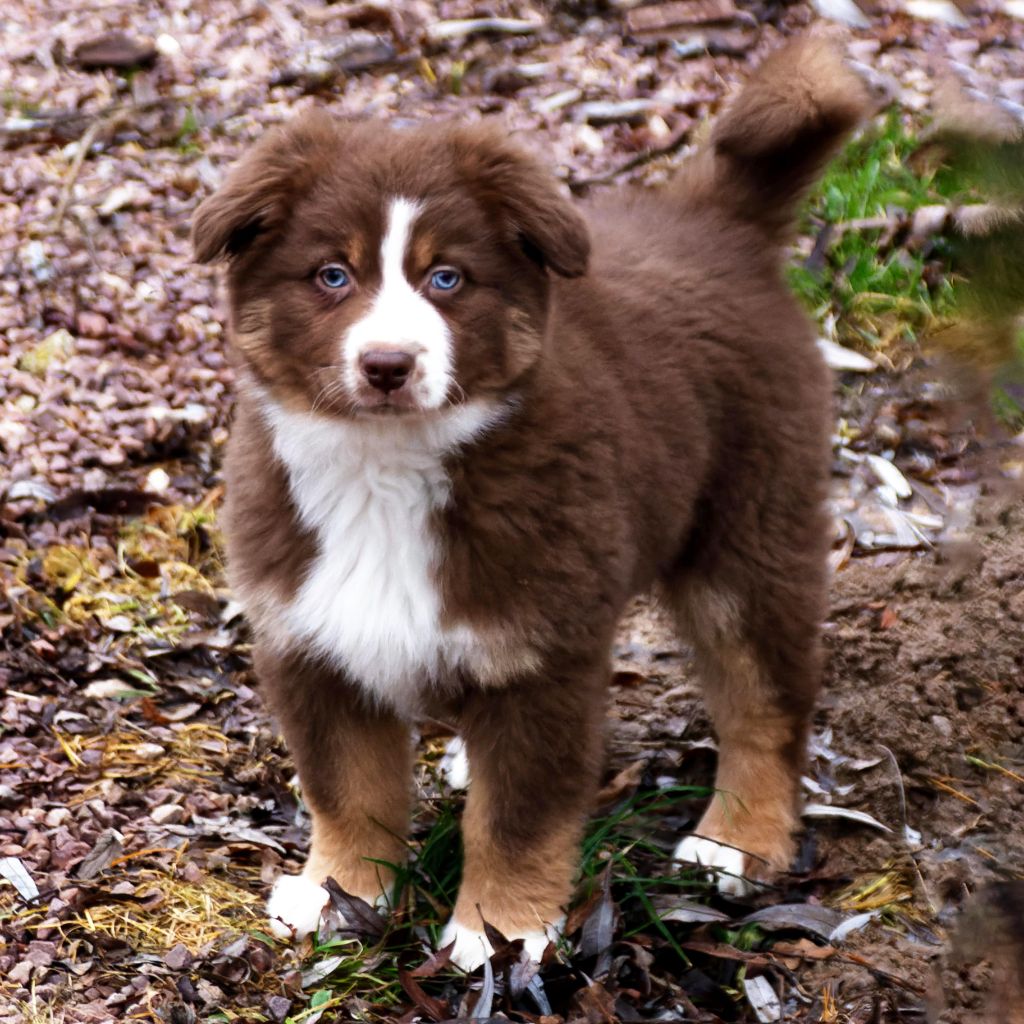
[474,421]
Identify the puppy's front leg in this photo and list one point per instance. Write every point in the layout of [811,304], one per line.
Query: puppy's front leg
[355,767]
[533,752]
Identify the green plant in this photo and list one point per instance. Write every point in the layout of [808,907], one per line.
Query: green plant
[876,292]
[188,132]
[623,842]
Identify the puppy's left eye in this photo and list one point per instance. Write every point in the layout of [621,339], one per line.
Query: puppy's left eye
[333,276]
[445,279]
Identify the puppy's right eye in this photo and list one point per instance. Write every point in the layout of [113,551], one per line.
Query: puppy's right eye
[333,277]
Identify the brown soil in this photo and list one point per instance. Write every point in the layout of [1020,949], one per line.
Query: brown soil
[924,673]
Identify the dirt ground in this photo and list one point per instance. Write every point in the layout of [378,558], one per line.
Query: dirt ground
[145,802]
[923,699]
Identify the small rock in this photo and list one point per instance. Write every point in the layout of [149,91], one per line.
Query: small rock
[209,993]
[589,139]
[168,814]
[844,11]
[178,957]
[120,197]
[192,872]
[278,1007]
[157,481]
[167,45]
[116,999]
[118,623]
[33,256]
[57,816]
[114,50]
[942,725]
[92,325]
[54,348]
[67,853]
[149,751]
[21,973]
[38,489]
[110,791]
[41,954]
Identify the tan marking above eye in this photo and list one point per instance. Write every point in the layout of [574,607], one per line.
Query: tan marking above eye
[356,251]
[424,250]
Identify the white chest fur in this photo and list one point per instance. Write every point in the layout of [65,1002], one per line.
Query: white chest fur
[369,492]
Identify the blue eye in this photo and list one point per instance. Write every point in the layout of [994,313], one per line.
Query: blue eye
[445,279]
[333,276]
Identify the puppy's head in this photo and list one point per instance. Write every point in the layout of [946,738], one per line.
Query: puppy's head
[382,272]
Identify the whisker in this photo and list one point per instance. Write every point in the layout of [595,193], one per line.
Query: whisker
[330,391]
[336,368]
[460,391]
[335,388]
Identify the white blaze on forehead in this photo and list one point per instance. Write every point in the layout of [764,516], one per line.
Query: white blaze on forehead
[401,215]
[402,318]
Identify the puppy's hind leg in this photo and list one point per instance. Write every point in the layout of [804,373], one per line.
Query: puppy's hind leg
[758,660]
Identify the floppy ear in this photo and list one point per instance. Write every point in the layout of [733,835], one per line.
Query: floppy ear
[254,199]
[545,222]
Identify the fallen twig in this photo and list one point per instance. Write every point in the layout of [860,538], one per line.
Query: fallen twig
[460,28]
[52,119]
[84,145]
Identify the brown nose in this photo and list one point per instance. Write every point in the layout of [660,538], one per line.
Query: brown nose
[386,369]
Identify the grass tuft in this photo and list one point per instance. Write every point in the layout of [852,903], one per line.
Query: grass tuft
[875,292]
[166,910]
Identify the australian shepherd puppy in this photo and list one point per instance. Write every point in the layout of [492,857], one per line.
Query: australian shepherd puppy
[474,420]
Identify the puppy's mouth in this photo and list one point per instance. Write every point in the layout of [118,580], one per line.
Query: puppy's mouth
[398,403]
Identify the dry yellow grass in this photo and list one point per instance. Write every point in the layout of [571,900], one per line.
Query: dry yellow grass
[168,910]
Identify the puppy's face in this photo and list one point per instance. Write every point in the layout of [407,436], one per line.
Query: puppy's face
[376,272]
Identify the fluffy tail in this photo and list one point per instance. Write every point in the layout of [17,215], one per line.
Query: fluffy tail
[774,139]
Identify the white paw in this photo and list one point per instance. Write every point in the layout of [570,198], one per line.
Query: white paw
[295,906]
[726,863]
[472,948]
[454,764]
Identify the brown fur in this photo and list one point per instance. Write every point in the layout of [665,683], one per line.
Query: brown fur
[356,772]
[771,142]
[534,753]
[669,427]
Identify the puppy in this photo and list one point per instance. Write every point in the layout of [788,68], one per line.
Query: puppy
[475,420]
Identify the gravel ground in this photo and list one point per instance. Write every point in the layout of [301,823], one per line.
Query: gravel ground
[145,803]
